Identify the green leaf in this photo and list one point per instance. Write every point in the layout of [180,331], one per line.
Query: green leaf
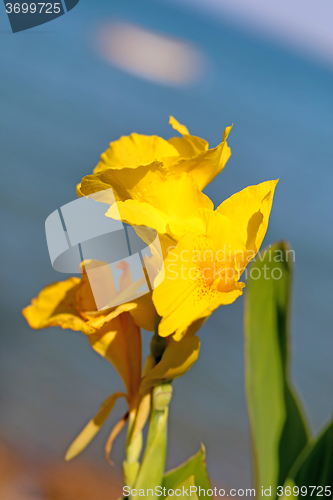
[294,436]
[289,491]
[194,466]
[314,466]
[189,486]
[278,429]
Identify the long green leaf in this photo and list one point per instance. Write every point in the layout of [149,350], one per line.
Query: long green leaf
[194,466]
[278,430]
[314,467]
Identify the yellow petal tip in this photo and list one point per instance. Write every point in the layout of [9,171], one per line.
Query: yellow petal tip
[70,454]
[178,126]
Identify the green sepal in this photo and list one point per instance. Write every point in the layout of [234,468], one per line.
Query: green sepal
[194,466]
[187,485]
[130,472]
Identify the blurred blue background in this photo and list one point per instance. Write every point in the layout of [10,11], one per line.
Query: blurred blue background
[63,99]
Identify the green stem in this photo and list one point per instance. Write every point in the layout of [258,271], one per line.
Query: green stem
[133,450]
[153,463]
[150,473]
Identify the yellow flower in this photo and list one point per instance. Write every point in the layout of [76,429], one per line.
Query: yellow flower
[70,304]
[155,181]
[115,335]
[158,184]
[180,154]
[169,200]
[202,270]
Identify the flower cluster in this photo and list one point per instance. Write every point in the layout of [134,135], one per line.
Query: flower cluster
[159,184]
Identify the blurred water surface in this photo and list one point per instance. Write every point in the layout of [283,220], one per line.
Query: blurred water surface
[61,104]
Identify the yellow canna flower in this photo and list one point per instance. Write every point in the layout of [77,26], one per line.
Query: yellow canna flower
[157,184]
[202,270]
[155,181]
[112,333]
[115,335]
[178,154]
[70,304]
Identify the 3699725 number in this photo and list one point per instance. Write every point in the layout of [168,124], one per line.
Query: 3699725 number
[33,8]
[315,491]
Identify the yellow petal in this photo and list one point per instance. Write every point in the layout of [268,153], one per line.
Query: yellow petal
[188,145]
[207,165]
[98,320]
[193,286]
[126,183]
[92,428]
[131,293]
[134,212]
[56,305]
[128,166]
[189,301]
[177,359]
[249,212]
[85,302]
[114,433]
[144,312]
[78,190]
[119,341]
[178,126]
[173,198]
[141,416]
[141,309]
[134,150]
[188,154]
[97,276]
